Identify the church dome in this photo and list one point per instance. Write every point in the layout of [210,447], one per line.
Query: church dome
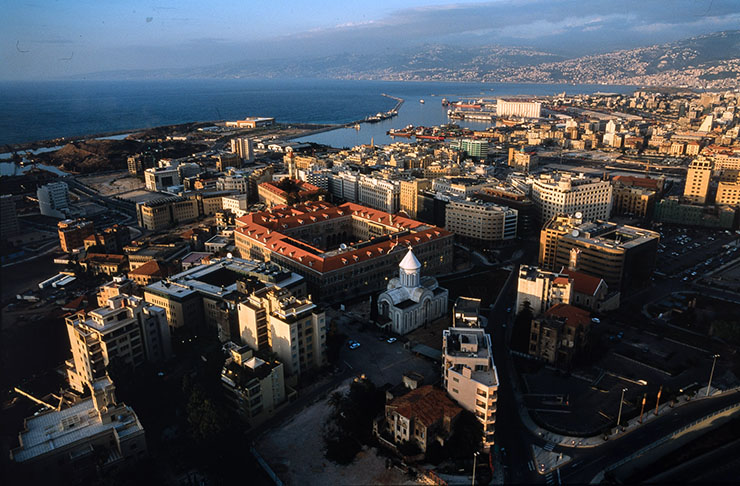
[409,262]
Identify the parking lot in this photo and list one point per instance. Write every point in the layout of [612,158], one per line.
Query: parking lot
[381,361]
[691,253]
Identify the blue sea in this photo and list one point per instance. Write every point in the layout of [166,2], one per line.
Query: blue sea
[32,111]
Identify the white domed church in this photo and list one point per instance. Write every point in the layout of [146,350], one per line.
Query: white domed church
[412,300]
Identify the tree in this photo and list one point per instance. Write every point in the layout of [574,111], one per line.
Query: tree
[467,436]
[205,420]
[522,326]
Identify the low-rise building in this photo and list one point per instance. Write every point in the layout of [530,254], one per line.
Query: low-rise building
[421,416]
[104,263]
[466,312]
[72,233]
[90,439]
[559,335]
[166,212]
[542,289]
[411,301]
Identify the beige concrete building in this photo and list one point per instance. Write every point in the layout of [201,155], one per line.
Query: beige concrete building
[166,212]
[542,289]
[632,200]
[96,437]
[480,222]
[564,193]
[623,256]
[728,193]
[697,180]
[126,330]
[242,146]
[255,387]
[469,375]
[292,328]
[409,194]
[72,233]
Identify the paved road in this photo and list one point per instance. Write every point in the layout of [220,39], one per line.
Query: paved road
[587,463]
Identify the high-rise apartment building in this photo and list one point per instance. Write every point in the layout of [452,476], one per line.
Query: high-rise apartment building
[8,217]
[292,328]
[697,180]
[469,375]
[53,199]
[563,193]
[409,193]
[127,330]
[472,148]
[242,146]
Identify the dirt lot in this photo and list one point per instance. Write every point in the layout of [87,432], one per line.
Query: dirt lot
[113,184]
[295,451]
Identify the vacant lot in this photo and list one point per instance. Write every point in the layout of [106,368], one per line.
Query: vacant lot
[295,451]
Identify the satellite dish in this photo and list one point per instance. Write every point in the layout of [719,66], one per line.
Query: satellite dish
[579,215]
[342,246]
[575,233]
[229,255]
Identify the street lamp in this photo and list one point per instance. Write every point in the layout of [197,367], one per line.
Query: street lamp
[475,463]
[621,401]
[714,362]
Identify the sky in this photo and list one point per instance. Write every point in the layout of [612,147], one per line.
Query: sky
[46,39]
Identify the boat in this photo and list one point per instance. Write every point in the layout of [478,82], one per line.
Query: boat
[357,126]
[445,102]
[421,101]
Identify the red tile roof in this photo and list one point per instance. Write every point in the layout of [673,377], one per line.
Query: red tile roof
[583,283]
[573,315]
[264,228]
[152,268]
[644,182]
[426,405]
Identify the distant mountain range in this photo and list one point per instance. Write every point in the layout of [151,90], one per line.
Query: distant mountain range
[707,61]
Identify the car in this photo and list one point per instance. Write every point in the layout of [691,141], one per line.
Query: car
[391,340]
[354,345]
[595,320]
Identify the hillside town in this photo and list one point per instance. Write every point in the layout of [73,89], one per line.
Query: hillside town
[546,299]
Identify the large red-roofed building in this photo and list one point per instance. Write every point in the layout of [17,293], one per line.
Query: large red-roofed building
[343,250]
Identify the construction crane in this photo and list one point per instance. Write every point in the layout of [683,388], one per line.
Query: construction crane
[40,402]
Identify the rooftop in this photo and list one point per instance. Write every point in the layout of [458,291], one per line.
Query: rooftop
[427,405]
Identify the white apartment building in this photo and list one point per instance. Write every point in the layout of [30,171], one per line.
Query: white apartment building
[379,193]
[127,330]
[236,203]
[294,329]
[235,182]
[469,375]
[542,289]
[344,185]
[319,177]
[459,186]
[480,221]
[53,199]
[564,193]
[243,147]
[524,109]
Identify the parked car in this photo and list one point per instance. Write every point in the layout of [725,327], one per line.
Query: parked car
[391,340]
[353,344]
